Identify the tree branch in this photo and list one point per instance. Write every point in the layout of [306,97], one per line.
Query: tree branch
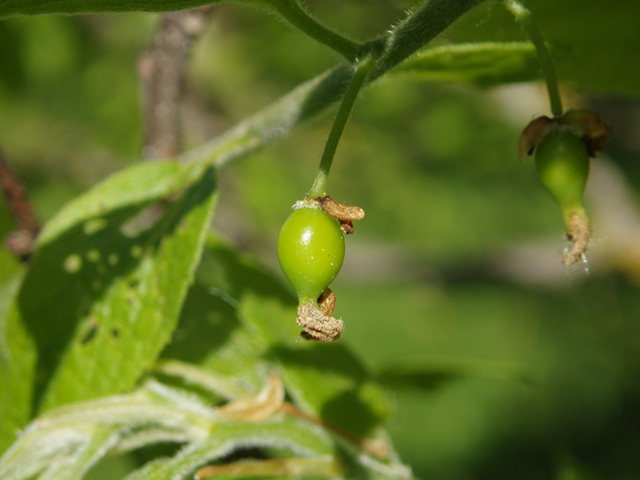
[21,242]
[162,72]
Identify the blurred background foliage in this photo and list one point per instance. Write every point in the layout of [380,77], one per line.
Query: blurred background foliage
[503,364]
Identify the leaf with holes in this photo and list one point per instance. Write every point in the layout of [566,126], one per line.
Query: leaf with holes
[107,283]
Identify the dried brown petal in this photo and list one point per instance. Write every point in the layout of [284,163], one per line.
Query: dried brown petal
[595,132]
[344,213]
[531,135]
[261,407]
[586,124]
[347,227]
[327,302]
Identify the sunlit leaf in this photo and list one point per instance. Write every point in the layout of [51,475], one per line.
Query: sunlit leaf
[101,301]
[17,362]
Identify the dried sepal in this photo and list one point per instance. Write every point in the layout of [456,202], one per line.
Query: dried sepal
[317,324]
[586,124]
[579,234]
[345,214]
[595,132]
[347,227]
[531,135]
[327,302]
[339,210]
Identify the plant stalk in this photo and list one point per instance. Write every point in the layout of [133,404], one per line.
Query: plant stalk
[362,71]
[525,16]
[292,12]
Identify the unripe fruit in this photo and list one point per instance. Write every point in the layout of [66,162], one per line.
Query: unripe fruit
[562,163]
[311,251]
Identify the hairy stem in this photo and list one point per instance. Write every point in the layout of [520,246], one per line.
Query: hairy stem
[292,12]
[360,75]
[525,16]
[20,242]
[419,28]
[312,97]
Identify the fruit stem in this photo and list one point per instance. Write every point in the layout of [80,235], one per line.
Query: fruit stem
[291,10]
[360,74]
[525,16]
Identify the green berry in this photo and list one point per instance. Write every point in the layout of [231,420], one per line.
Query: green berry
[562,163]
[311,251]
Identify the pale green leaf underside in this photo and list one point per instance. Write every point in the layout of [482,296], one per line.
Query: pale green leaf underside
[483,64]
[64,443]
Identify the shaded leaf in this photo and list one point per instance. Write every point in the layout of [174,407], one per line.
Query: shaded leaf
[593,46]
[327,381]
[432,376]
[484,64]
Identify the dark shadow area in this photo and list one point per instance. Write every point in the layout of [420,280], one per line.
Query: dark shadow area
[346,410]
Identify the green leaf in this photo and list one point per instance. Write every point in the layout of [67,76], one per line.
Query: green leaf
[324,379]
[102,299]
[9,264]
[67,441]
[211,333]
[594,48]
[279,433]
[37,7]
[17,363]
[258,332]
[137,185]
[484,64]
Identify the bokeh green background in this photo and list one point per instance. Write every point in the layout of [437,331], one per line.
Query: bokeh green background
[504,365]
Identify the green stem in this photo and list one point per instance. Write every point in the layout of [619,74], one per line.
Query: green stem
[300,19]
[525,16]
[419,28]
[362,71]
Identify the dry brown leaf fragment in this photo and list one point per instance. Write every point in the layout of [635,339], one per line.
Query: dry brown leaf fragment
[595,132]
[261,407]
[339,210]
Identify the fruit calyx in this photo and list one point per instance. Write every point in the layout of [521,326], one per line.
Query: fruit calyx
[586,124]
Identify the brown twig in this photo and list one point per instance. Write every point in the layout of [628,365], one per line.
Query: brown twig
[162,71]
[21,242]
